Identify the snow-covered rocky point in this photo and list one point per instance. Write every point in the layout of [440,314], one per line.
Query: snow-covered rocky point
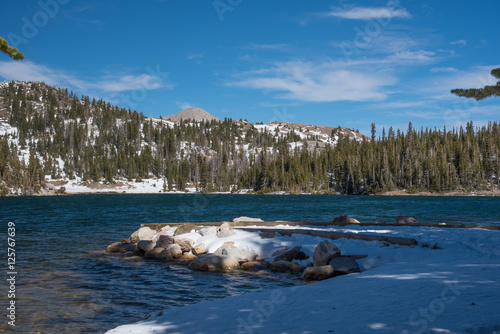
[448,283]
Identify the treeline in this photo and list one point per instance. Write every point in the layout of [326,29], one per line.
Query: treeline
[67,137]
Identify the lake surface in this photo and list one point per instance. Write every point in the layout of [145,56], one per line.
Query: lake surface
[67,283]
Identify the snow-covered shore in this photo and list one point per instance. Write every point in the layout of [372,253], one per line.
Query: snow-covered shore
[452,289]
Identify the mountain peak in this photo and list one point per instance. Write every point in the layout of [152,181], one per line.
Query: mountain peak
[194,114]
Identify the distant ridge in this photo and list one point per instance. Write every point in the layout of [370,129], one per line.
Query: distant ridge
[193,114]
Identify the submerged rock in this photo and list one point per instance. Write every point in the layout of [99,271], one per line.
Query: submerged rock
[267,235]
[403,220]
[120,247]
[324,253]
[285,267]
[214,263]
[154,252]
[344,220]
[254,266]
[318,273]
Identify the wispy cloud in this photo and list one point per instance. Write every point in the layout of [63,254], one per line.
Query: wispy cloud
[317,82]
[195,56]
[184,105]
[30,71]
[279,46]
[443,69]
[461,42]
[369,13]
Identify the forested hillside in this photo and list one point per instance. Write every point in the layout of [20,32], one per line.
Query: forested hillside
[49,134]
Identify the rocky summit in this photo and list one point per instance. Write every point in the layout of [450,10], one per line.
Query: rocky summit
[192,114]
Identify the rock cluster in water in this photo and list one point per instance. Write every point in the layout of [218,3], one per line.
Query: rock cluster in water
[166,244]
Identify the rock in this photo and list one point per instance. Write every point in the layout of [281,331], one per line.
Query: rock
[175,250]
[186,257]
[344,220]
[214,263]
[356,257]
[208,231]
[185,228]
[164,241]
[344,265]
[267,235]
[154,252]
[185,243]
[254,266]
[289,255]
[301,256]
[225,233]
[280,251]
[198,249]
[231,250]
[165,230]
[318,273]
[285,267]
[403,220]
[380,221]
[247,220]
[144,233]
[146,245]
[116,247]
[324,253]
[224,226]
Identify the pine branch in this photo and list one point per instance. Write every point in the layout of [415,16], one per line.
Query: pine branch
[9,50]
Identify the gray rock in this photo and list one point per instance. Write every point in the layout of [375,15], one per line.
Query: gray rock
[267,235]
[225,233]
[208,231]
[231,250]
[324,253]
[174,250]
[164,241]
[144,233]
[184,243]
[289,255]
[318,273]
[285,267]
[344,265]
[403,220]
[146,245]
[214,263]
[154,252]
[247,220]
[380,221]
[198,249]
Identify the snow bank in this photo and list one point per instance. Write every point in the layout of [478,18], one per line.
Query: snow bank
[416,289]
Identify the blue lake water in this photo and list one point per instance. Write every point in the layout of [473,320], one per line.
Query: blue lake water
[67,283]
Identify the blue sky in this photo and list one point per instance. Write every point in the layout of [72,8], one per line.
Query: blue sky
[316,62]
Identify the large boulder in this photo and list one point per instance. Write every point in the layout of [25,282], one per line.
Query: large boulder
[165,230]
[403,220]
[144,233]
[324,253]
[214,263]
[173,251]
[120,247]
[285,267]
[165,240]
[204,231]
[292,254]
[344,265]
[344,220]
[231,250]
[146,245]
[247,220]
[318,273]
[198,249]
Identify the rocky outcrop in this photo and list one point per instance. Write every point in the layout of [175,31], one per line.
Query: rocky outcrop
[344,220]
[318,273]
[344,265]
[324,253]
[214,263]
[404,220]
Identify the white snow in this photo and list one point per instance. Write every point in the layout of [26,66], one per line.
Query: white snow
[416,289]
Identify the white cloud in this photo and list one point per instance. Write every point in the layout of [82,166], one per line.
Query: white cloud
[419,57]
[184,105]
[461,42]
[30,71]
[195,56]
[370,13]
[443,69]
[322,82]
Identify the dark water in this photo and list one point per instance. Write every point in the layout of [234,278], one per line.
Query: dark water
[66,283]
